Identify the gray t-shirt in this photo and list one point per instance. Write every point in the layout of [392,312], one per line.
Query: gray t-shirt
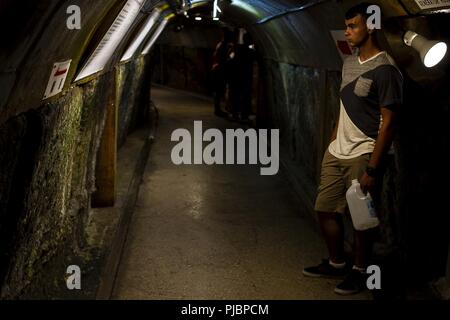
[366,87]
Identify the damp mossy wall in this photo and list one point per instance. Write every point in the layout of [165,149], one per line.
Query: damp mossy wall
[48,148]
[47,179]
[133,88]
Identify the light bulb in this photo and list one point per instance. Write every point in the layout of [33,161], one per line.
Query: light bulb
[435,54]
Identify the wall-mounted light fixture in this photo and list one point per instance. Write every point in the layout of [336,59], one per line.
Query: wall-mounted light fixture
[431,52]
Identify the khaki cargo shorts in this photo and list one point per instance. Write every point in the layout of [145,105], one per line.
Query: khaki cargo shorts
[336,177]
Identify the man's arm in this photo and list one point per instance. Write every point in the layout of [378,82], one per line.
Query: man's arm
[382,146]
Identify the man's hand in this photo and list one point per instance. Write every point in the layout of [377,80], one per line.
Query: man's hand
[368,184]
[382,145]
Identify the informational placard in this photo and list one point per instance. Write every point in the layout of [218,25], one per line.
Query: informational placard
[341,43]
[432,4]
[112,39]
[57,79]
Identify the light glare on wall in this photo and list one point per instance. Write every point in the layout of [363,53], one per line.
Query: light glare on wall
[155,36]
[142,35]
[245,6]
[111,40]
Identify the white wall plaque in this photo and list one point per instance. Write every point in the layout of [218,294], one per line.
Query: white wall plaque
[57,78]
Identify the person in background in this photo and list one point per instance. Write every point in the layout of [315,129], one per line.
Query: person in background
[241,79]
[219,71]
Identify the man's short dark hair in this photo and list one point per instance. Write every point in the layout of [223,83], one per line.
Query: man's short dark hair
[359,9]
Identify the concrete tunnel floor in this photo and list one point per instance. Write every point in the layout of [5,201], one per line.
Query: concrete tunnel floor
[216,232]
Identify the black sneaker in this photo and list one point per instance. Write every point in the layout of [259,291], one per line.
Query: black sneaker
[325,270]
[355,282]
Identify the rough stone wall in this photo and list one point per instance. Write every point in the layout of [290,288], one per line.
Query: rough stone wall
[46,181]
[183,59]
[133,88]
[48,150]
[45,216]
[14,152]
[304,104]
[183,68]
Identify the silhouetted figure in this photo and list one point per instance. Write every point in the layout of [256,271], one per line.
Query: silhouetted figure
[243,78]
[233,74]
[219,71]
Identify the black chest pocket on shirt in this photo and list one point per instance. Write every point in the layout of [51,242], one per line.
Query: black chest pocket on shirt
[362,87]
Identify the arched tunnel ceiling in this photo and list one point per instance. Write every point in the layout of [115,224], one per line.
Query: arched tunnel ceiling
[290,31]
[288,37]
[298,32]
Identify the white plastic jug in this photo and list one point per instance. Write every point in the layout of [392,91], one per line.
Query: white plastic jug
[361,208]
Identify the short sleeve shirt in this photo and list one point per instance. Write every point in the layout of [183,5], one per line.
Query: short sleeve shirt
[366,87]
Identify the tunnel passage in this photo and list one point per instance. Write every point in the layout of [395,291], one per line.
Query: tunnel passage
[58,147]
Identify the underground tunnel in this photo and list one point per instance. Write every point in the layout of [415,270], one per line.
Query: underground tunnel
[121,171]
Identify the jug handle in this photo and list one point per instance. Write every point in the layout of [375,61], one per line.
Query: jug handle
[361,195]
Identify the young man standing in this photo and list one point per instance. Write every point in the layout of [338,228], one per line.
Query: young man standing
[371,93]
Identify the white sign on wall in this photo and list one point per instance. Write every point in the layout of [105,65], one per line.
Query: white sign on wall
[341,43]
[433,4]
[57,78]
